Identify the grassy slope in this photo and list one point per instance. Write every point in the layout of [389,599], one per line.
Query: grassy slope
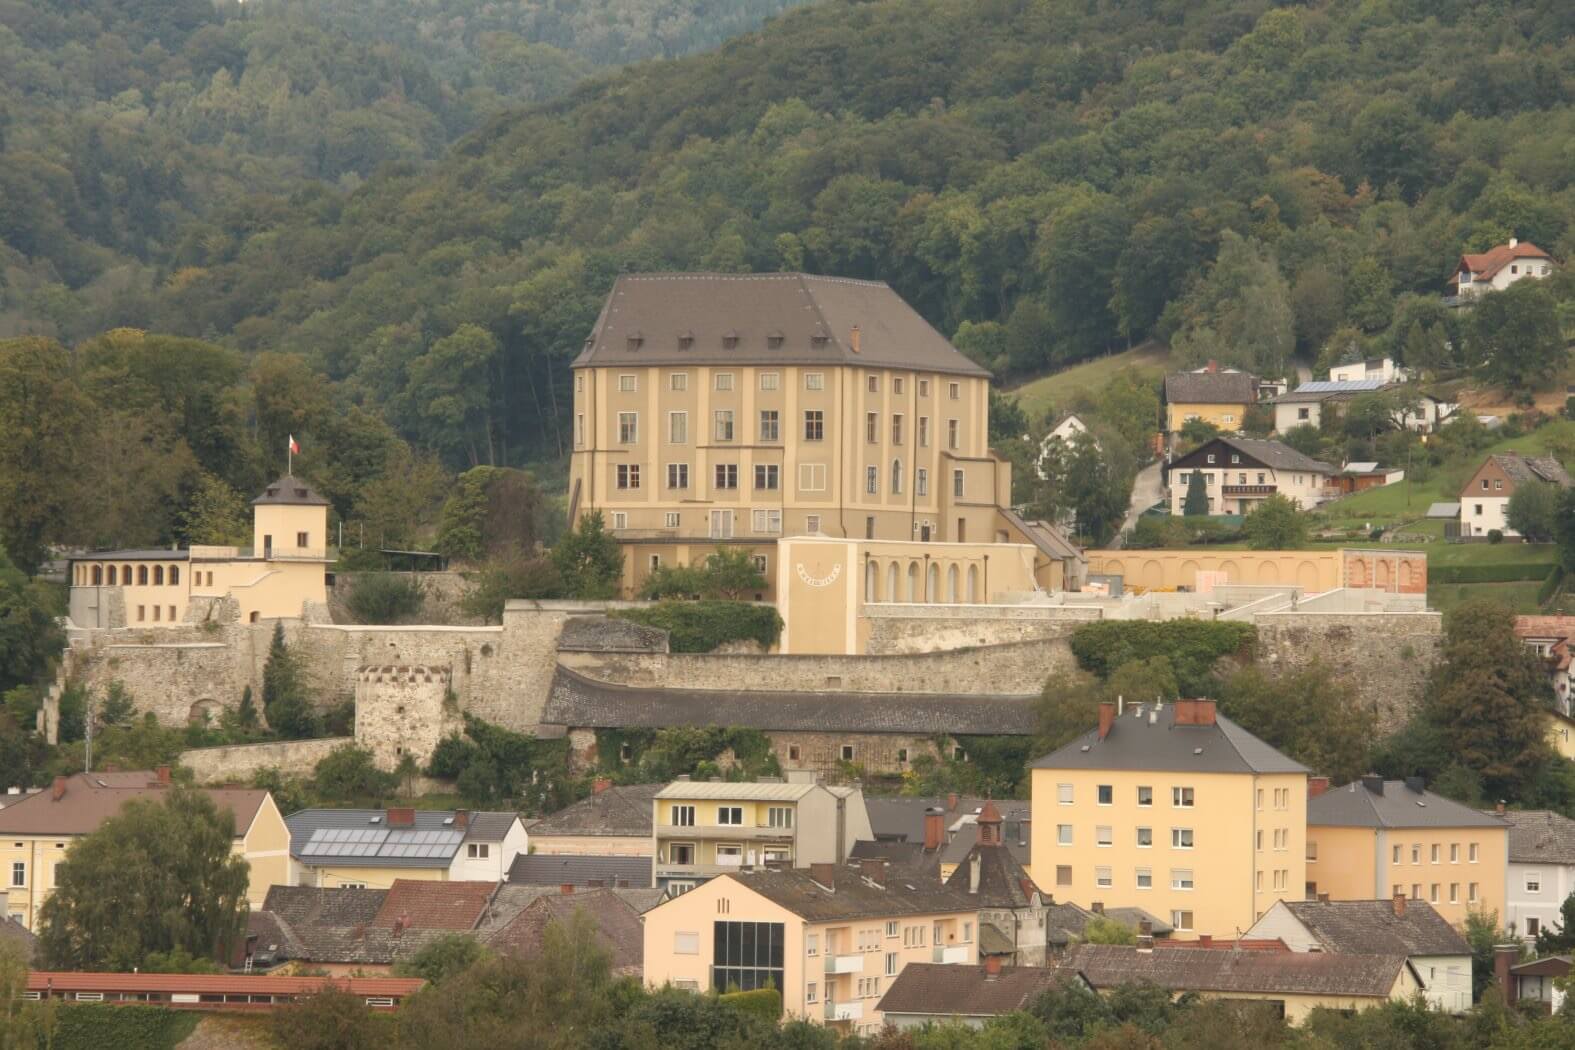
[1060,389]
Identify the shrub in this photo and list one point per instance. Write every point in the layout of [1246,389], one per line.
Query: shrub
[1495,536]
[499,581]
[1193,647]
[385,598]
[699,627]
[349,774]
[764,1003]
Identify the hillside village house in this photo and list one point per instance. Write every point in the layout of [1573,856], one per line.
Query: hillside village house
[1541,872]
[1437,952]
[1377,838]
[1499,267]
[1382,369]
[1484,500]
[830,938]
[284,570]
[614,820]
[37,830]
[1239,472]
[1304,406]
[706,828]
[741,408]
[1212,394]
[1551,637]
[370,848]
[1174,809]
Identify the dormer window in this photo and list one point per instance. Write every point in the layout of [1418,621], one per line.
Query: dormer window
[774,339]
[820,337]
[686,340]
[729,339]
[1211,457]
[634,340]
[1234,458]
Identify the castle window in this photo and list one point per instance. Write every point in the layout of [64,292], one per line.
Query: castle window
[158,575]
[174,575]
[142,575]
[125,575]
[142,614]
[301,539]
[98,575]
[847,752]
[794,754]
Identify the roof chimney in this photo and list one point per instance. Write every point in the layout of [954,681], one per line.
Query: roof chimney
[58,791]
[1373,783]
[853,339]
[1145,942]
[599,785]
[1399,903]
[934,829]
[874,869]
[163,775]
[951,802]
[1317,786]
[1514,242]
[401,816]
[824,873]
[992,967]
[1415,784]
[1145,927]
[1194,712]
[566,889]
[1504,956]
[1213,366]
[1107,718]
[1498,807]
[462,818]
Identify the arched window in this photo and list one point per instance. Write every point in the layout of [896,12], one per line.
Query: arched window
[951,585]
[158,575]
[871,583]
[111,575]
[142,575]
[913,581]
[973,584]
[896,477]
[98,575]
[932,583]
[125,575]
[891,583]
[174,575]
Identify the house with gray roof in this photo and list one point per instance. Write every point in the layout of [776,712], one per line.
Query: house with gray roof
[1304,406]
[369,848]
[1541,869]
[1012,909]
[584,870]
[614,820]
[1414,929]
[1484,500]
[1238,473]
[933,993]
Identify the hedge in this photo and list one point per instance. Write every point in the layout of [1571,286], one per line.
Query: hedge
[764,1003]
[1550,586]
[1500,572]
[699,627]
[95,1026]
[1193,647]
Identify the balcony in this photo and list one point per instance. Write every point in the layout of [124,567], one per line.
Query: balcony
[1248,490]
[956,954]
[725,832]
[844,964]
[844,1011]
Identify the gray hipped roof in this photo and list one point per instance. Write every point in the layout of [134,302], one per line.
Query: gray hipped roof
[1211,388]
[1274,454]
[1540,836]
[763,319]
[1374,803]
[1373,928]
[363,837]
[1136,742]
[545,869]
[292,490]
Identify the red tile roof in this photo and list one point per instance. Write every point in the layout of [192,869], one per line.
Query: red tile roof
[90,799]
[1559,628]
[1483,265]
[428,905]
[216,984]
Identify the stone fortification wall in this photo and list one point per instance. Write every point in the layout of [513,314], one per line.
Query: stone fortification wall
[1017,668]
[403,709]
[898,629]
[1386,657]
[238,763]
[882,754]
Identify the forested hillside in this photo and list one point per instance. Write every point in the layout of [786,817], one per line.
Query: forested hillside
[122,120]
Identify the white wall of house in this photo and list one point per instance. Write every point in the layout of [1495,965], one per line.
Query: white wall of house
[1384,369]
[1536,892]
[1296,414]
[481,861]
[1480,515]
[1304,487]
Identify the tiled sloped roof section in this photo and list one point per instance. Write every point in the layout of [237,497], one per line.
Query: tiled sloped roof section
[424,904]
[1373,928]
[1398,806]
[1003,882]
[763,319]
[618,927]
[584,702]
[1533,468]
[92,798]
[1330,390]
[1483,265]
[1210,388]
[610,634]
[1218,970]
[14,932]
[290,490]
[939,990]
[314,906]
[853,896]
[621,811]
[545,869]
[1540,836]
[1135,743]
[364,838]
[489,825]
[1277,454]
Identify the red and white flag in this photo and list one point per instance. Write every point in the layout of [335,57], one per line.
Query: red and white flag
[294,447]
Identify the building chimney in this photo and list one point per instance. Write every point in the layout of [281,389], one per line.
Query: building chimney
[1498,807]
[599,785]
[934,829]
[951,802]
[1205,940]
[1373,783]
[163,775]
[1317,786]
[58,792]
[1514,242]
[992,967]
[1415,785]
[1213,366]
[824,873]
[1098,907]
[1145,942]
[874,869]
[1399,905]
[566,889]
[401,816]
[975,866]
[1505,956]
[853,339]
[1107,718]
[1194,712]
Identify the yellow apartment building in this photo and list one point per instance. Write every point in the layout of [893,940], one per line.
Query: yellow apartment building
[284,570]
[741,408]
[1214,395]
[831,938]
[701,829]
[1174,809]
[38,830]
[1376,838]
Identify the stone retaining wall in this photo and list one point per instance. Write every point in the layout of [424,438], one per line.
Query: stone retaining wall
[1386,657]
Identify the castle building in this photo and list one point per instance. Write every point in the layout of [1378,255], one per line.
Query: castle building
[738,409]
[281,573]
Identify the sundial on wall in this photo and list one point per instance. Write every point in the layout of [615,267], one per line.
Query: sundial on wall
[820,581]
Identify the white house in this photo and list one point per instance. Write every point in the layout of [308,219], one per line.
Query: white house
[1412,928]
[1541,869]
[370,848]
[1553,639]
[1484,501]
[1238,473]
[1063,432]
[1499,267]
[1304,405]
[1429,414]
[1383,369]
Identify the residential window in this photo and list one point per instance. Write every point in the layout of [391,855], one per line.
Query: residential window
[1145,838]
[1395,855]
[724,425]
[770,425]
[891,928]
[814,425]
[628,384]
[1471,893]
[1416,853]
[896,477]
[1181,797]
[1471,854]
[812,944]
[896,430]
[677,478]
[848,751]
[759,560]
[1432,893]
[1181,921]
[921,482]
[1145,796]
[891,957]
[871,480]
[871,427]
[670,519]
[768,521]
[1144,878]
[872,384]
[1533,882]
[1063,834]
[748,955]
[1103,878]
[1063,874]
[814,380]
[1312,850]
[1181,878]
[811,993]
[628,428]
[1454,893]
[1063,793]
[724,380]
[18,873]
[477,850]
[1259,802]
[1106,794]
[812,478]
[678,381]
[952,432]
[1104,835]
[770,380]
[683,816]
[628,475]
[924,388]
[1454,853]
[896,384]
[620,520]
[957,484]
[1533,927]
[1434,853]
[579,428]
[954,391]
[1258,840]
[768,476]
[924,431]
[733,815]
[677,428]
[727,475]
[1416,891]
[1180,838]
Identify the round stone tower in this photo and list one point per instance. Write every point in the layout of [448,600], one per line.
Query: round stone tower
[402,710]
